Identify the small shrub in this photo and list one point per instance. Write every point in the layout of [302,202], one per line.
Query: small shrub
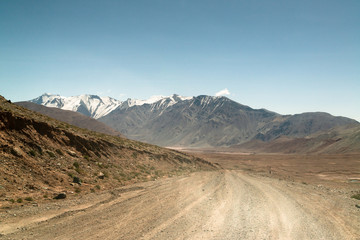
[12,200]
[76,164]
[356,196]
[29,199]
[92,190]
[77,180]
[77,190]
[141,167]
[51,154]
[79,171]
[32,153]
[58,151]
[157,173]
[19,200]
[39,150]
[97,187]
[45,196]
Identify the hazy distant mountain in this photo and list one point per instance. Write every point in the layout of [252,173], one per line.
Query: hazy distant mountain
[300,125]
[340,139]
[89,105]
[73,118]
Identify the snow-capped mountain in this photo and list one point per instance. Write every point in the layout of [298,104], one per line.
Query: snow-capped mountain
[89,105]
[202,121]
[97,107]
[208,121]
[155,102]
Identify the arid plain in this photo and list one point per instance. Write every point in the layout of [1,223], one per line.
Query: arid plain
[249,196]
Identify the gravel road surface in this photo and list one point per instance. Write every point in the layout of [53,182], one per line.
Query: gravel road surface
[205,205]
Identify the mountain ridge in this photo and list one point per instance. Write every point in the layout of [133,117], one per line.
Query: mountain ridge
[71,117]
[89,105]
[206,121]
[95,106]
[209,121]
[337,140]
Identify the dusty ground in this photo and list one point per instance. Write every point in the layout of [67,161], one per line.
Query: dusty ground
[332,169]
[233,203]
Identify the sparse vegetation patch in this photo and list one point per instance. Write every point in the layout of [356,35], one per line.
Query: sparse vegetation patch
[51,154]
[356,196]
[58,151]
[76,164]
[32,153]
[29,199]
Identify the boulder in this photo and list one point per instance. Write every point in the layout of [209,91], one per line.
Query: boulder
[101,175]
[60,196]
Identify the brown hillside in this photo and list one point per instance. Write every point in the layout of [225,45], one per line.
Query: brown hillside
[73,118]
[41,157]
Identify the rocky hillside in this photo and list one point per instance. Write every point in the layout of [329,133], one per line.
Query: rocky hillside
[206,121]
[71,117]
[42,157]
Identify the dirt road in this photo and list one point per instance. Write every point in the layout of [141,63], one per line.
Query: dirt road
[205,205]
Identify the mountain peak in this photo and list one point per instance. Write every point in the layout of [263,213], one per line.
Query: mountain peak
[155,99]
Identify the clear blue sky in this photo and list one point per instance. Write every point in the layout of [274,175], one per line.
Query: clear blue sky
[286,56]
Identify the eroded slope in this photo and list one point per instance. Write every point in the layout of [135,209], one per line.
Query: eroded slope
[41,157]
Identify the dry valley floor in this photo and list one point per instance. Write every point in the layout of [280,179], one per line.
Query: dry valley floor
[224,204]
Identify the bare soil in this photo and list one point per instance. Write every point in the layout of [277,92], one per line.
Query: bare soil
[331,169]
[244,200]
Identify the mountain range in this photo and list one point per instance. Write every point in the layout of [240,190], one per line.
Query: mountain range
[201,121]
[93,105]
[337,140]
[89,105]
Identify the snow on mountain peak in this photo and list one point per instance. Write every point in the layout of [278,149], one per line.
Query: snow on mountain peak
[97,107]
[157,99]
[90,105]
